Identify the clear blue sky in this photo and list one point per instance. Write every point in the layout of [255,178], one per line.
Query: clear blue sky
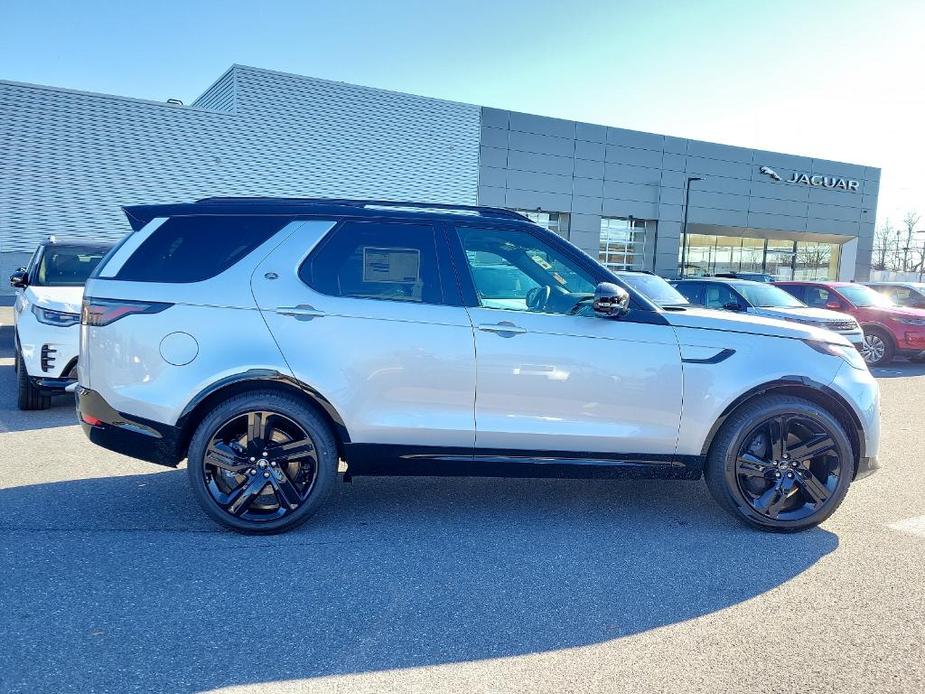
[837,79]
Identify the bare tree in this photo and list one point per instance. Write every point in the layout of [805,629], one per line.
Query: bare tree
[909,246]
[883,241]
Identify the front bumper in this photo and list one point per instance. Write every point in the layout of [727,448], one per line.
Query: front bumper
[132,436]
[51,386]
[48,351]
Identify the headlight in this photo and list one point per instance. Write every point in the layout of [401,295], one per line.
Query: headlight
[911,321]
[58,318]
[844,352]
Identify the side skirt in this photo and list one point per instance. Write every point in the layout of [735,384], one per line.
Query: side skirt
[390,459]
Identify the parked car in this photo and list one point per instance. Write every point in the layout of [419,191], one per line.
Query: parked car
[752,276]
[908,294]
[657,289]
[263,340]
[766,300]
[46,316]
[889,330]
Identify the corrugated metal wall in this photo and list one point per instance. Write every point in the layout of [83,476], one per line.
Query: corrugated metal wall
[71,159]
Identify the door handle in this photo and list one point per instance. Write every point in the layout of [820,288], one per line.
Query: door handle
[504,329]
[301,312]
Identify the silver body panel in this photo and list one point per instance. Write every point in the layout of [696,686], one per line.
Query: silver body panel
[426,375]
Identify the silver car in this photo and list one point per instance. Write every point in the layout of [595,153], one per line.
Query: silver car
[762,299]
[268,341]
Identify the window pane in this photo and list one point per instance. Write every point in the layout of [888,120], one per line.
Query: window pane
[192,249]
[623,242]
[511,268]
[377,260]
[67,266]
[556,222]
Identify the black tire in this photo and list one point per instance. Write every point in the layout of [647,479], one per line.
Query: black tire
[741,486]
[878,349]
[275,410]
[28,397]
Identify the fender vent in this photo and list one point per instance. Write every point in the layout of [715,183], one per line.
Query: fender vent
[48,357]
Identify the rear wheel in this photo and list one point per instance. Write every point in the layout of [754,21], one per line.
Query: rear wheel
[780,463]
[28,397]
[877,349]
[262,462]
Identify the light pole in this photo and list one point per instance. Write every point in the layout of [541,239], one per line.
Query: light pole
[687,200]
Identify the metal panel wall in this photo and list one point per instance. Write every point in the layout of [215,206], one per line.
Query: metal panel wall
[71,159]
[592,171]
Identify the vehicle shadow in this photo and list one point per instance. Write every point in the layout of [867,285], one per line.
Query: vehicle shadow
[120,583]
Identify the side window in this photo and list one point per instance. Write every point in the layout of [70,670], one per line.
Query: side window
[196,248]
[796,290]
[692,291]
[900,295]
[817,297]
[518,271]
[718,295]
[377,260]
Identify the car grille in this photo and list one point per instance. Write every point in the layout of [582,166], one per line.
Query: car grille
[842,325]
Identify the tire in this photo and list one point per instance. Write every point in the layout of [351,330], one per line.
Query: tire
[744,477]
[878,348]
[28,397]
[219,453]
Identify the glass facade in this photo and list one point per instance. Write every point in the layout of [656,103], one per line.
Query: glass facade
[704,254]
[623,242]
[556,222]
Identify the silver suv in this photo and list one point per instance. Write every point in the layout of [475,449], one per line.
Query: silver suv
[267,340]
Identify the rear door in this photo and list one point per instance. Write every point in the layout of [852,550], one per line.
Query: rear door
[369,316]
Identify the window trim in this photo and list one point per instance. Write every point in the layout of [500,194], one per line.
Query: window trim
[448,289]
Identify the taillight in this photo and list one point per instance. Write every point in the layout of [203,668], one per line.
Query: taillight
[99,312]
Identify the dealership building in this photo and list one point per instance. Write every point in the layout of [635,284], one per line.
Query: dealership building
[70,159]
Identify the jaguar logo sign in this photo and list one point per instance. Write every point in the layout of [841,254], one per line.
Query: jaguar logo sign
[814,180]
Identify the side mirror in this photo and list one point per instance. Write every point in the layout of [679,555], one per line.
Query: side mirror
[610,301]
[733,306]
[19,279]
[833,305]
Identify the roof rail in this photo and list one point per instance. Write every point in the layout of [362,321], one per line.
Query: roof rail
[480,209]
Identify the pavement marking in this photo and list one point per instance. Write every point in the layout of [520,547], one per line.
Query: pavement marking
[915,526]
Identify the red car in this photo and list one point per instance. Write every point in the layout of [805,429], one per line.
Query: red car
[889,330]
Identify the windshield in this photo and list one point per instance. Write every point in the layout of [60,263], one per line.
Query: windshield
[765,295]
[864,297]
[67,266]
[654,287]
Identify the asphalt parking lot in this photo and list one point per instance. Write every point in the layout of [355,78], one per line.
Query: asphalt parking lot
[112,580]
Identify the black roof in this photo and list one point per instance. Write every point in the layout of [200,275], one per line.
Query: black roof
[139,215]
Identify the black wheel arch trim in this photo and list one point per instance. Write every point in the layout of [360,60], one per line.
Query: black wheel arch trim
[257,377]
[821,395]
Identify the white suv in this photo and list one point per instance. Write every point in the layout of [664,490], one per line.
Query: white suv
[264,340]
[46,314]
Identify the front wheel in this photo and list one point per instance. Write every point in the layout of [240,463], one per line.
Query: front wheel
[780,463]
[877,349]
[262,462]
[28,397]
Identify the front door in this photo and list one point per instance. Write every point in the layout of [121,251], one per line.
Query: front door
[550,375]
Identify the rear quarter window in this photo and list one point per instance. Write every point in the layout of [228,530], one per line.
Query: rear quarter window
[197,248]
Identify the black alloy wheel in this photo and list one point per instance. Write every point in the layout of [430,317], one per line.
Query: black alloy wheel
[262,462]
[259,466]
[780,463]
[788,467]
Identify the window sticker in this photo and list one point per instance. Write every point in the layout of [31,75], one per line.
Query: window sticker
[395,265]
